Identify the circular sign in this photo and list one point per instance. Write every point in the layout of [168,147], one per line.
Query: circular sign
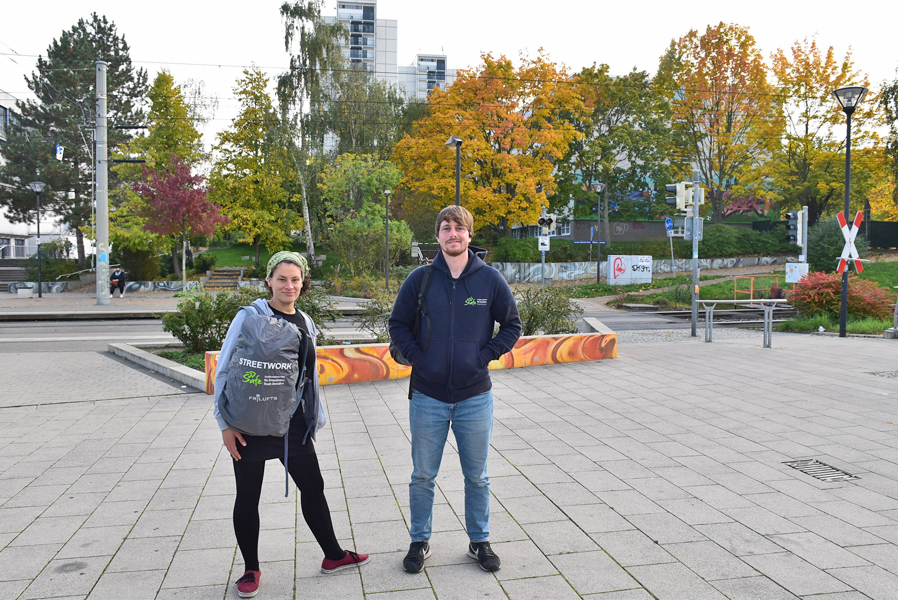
[668,223]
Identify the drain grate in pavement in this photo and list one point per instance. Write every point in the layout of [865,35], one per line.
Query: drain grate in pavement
[821,471]
[889,374]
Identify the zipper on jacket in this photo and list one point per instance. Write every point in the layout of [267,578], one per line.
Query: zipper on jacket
[451,339]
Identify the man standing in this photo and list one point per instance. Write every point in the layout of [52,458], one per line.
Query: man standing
[450,384]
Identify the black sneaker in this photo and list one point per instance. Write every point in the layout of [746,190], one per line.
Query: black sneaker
[418,552]
[482,553]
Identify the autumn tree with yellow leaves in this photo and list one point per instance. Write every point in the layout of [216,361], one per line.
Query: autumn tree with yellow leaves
[509,121]
[725,112]
[808,168]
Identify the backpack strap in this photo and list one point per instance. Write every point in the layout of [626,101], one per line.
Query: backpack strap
[421,310]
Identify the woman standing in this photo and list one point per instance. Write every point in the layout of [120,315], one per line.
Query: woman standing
[288,279]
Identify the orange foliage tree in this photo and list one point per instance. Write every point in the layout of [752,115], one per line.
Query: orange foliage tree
[509,121]
[725,112]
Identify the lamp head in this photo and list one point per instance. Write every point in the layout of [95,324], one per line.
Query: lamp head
[454,141]
[849,97]
[597,187]
[387,192]
[37,186]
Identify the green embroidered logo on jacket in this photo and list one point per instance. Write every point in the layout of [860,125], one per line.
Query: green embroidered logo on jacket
[478,302]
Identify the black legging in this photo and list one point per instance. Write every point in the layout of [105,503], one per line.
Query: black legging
[306,474]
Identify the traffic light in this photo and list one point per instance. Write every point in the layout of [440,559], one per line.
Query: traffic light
[546,224]
[793,227]
[551,222]
[683,197]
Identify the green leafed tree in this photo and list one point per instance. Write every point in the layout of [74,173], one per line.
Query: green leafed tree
[64,83]
[250,167]
[626,135]
[171,132]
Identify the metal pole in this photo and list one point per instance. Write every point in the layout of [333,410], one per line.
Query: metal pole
[673,266]
[102,190]
[804,233]
[39,259]
[599,246]
[695,276]
[387,261]
[458,173]
[843,310]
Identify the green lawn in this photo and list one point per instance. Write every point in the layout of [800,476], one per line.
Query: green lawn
[869,326]
[883,273]
[593,290]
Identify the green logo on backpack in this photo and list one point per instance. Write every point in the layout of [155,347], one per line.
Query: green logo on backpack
[470,302]
[250,377]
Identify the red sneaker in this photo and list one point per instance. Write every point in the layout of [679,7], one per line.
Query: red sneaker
[248,585]
[350,560]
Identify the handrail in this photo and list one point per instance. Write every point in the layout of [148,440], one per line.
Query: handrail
[81,271]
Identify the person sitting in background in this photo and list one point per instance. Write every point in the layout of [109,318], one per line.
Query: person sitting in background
[117,280]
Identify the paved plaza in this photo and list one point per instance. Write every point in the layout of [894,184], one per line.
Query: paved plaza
[659,474]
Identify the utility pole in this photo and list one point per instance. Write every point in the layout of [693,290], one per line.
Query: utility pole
[102,249]
[696,236]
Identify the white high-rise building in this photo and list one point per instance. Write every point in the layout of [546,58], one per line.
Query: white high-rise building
[372,47]
[427,72]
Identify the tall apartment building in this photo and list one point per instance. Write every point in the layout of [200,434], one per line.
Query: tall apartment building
[429,71]
[372,42]
[372,47]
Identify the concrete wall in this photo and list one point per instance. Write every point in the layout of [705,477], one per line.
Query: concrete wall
[57,287]
[580,271]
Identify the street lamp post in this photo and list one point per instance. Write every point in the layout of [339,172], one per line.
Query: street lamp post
[598,188]
[848,98]
[456,141]
[37,187]
[387,229]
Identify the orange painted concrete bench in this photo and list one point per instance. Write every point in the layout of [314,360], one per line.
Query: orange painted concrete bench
[372,362]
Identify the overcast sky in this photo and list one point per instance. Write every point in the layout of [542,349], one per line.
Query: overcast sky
[213,41]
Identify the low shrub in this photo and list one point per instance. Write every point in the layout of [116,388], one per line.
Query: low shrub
[546,308]
[203,318]
[825,243]
[204,262]
[821,294]
[375,319]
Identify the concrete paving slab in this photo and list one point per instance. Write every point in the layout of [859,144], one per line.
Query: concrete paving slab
[674,455]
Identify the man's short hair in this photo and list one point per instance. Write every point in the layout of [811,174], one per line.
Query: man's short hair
[457,214]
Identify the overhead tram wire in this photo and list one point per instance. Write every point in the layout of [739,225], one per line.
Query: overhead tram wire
[286,69]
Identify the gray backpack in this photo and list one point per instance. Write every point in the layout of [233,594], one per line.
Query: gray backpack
[265,382]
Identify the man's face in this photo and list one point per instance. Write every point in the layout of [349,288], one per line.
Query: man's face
[453,238]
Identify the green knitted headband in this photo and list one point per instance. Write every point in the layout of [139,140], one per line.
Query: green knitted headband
[289,257]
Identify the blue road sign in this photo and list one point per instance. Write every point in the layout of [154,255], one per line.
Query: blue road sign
[668,223]
[587,242]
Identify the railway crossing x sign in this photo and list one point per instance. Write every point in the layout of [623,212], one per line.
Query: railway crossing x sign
[849,252]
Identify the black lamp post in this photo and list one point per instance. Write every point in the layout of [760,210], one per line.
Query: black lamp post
[456,141]
[849,98]
[598,188]
[387,229]
[38,187]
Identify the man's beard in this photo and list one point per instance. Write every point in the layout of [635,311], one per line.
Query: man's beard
[456,251]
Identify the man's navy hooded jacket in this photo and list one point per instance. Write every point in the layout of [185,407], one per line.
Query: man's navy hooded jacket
[462,313]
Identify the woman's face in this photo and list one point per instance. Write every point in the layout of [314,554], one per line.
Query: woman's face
[285,283]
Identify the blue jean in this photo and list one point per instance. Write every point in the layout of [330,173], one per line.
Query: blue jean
[472,423]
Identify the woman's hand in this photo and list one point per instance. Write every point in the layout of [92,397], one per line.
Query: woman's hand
[230,438]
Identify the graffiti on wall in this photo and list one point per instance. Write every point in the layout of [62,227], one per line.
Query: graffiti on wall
[58,287]
[576,271]
[354,364]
